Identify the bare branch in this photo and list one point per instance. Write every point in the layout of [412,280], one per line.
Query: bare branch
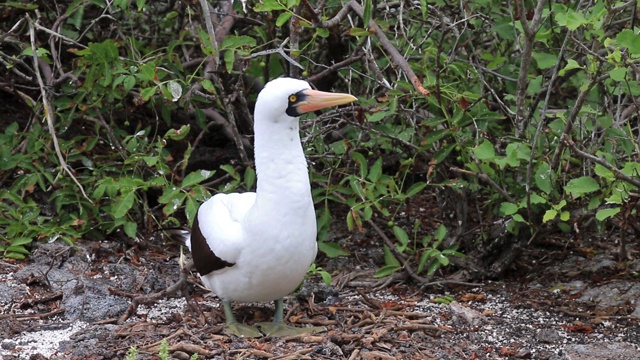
[48,110]
[618,173]
[487,179]
[206,14]
[530,29]
[397,58]
[574,114]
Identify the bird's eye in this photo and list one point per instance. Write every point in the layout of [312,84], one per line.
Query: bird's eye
[293,98]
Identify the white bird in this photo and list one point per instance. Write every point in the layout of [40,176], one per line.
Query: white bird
[256,247]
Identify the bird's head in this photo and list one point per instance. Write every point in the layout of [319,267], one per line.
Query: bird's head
[290,98]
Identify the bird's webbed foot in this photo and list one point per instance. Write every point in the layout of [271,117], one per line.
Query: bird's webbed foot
[241,330]
[279,329]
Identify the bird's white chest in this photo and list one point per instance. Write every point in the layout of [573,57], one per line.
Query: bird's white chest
[277,252]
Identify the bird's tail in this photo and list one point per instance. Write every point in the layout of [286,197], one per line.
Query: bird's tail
[179,235]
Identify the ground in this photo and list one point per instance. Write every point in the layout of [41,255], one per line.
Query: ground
[71,303]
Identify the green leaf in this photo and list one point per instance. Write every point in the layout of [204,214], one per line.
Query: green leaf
[229,59]
[174,202]
[140,4]
[571,64]
[386,271]
[148,71]
[549,215]
[350,220]
[436,135]
[283,18]
[15,255]
[415,188]
[367,213]
[545,60]
[147,93]
[21,241]
[129,82]
[618,73]
[130,229]
[231,171]
[507,208]
[519,218]
[442,259]
[580,186]
[268,6]
[359,32]
[196,177]
[232,42]
[607,213]
[442,154]
[249,178]
[377,116]
[629,39]
[604,172]
[542,177]
[332,249]
[440,232]
[423,9]
[178,134]
[191,209]
[376,171]
[122,204]
[433,266]
[323,32]
[360,159]
[402,237]
[426,256]
[326,278]
[389,258]
[175,90]
[631,168]
[484,151]
[22,6]
[366,16]
[571,19]
[105,52]
[537,199]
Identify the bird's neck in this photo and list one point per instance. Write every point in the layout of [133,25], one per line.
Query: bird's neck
[281,167]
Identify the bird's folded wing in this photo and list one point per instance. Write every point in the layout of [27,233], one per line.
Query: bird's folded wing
[220,221]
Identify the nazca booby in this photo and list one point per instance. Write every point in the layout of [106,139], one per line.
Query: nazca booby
[258,246]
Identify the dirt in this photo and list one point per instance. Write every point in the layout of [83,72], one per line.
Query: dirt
[70,303]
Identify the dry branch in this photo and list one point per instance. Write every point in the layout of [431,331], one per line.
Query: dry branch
[48,109]
[395,55]
[618,173]
[529,29]
[487,179]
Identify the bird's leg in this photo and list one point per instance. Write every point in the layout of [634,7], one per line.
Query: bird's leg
[278,328]
[233,327]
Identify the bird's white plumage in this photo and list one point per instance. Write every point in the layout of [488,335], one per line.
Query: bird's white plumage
[269,235]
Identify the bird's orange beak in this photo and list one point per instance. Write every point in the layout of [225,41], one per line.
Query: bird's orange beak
[315,100]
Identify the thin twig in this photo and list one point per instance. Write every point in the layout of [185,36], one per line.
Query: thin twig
[237,139]
[618,173]
[536,135]
[575,111]
[149,298]
[485,178]
[280,51]
[335,67]
[206,14]
[395,55]
[529,29]
[48,110]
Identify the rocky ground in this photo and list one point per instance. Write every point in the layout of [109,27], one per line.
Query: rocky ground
[72,303]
